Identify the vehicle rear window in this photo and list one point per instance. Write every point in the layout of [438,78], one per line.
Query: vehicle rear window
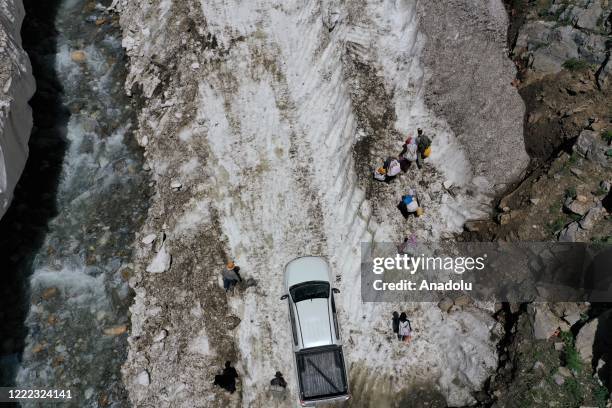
[309,290]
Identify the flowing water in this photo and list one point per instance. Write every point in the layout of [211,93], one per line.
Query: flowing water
[79,296]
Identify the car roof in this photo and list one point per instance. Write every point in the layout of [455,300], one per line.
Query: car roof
[315,327]
[305,269]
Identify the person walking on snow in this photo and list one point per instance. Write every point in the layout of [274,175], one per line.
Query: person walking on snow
[405,329]
[423,147]
[409,153]
[227,380]
[231,276]
[278,383]
[409,205]
[395,324]
[393,167]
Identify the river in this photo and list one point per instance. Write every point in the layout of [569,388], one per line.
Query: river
[78,293]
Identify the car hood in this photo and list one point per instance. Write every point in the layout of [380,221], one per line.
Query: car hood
[314,321]
[304,269]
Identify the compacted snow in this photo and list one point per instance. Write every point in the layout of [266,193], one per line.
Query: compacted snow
[262,142]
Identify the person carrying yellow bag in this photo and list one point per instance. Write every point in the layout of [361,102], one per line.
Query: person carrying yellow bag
[423,146]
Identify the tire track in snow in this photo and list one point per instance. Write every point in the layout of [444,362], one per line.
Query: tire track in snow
[270,211]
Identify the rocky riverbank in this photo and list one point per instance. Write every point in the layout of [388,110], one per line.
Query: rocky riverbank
[16,89]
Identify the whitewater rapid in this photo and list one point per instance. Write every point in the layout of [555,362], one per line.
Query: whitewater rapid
[78,289]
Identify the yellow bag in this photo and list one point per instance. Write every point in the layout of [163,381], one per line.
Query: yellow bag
[427,151]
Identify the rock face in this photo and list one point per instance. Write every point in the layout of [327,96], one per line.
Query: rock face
[16,88]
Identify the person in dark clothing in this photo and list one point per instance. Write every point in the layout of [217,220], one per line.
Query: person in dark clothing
[423,144]
[231,276]
[227,380]
[395,324]
[278,381]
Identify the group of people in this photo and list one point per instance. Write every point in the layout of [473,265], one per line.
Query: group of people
[402,327]
[414,150]
[227,380]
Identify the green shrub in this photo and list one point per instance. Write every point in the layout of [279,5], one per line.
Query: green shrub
[572,357]
[570,192]
[606,135]
[575,64]
[555,208]
[557,225]
[601,396]
[574,392]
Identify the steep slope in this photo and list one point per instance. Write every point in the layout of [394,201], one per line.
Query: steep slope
[262,123]
[16,88]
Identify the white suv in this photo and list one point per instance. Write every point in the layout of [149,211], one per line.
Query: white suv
[320,365]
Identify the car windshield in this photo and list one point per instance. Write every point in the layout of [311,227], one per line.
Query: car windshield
[310,290]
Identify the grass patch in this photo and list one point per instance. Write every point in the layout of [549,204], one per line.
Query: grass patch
[575,64]
[571,355]
[557,225]
[606,135]
[575,217]
[574,158]
[600,394]
[574,392]
[570,192]
[555,208]
[602,240]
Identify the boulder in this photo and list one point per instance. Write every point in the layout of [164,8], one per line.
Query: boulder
[149,239]
[585,340]
[445,304]
[49,293]
[143,378]
[592,217]
[544,321]
[604,73]
[590,145]
[568,234]
[161,262]
[559,379]
[585,142]
[565,372]
[580,207]
[572,318]
[78,56]
[463,300]
[548,45]
[594,339]
[115,330]
[589,18]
